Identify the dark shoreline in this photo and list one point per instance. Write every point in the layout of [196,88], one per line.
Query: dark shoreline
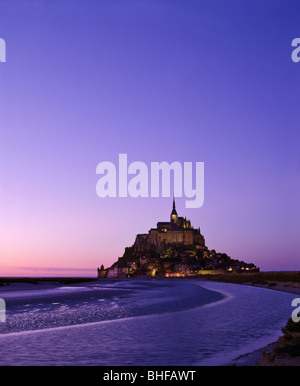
[37,280]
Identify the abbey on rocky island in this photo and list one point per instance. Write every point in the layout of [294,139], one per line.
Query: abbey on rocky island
[173,248]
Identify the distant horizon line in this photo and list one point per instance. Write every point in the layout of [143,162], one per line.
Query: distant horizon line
[88,277]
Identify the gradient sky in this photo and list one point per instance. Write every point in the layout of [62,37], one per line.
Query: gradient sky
[160,80]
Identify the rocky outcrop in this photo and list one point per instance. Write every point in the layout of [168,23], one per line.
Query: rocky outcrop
[287,349]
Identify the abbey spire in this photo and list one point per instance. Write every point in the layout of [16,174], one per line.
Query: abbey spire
[174,215]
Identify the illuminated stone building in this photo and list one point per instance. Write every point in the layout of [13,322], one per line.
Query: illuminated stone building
[178,231]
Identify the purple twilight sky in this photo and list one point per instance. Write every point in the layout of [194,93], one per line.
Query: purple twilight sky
[182,80]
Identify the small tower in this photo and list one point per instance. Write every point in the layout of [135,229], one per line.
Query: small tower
[174,215]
